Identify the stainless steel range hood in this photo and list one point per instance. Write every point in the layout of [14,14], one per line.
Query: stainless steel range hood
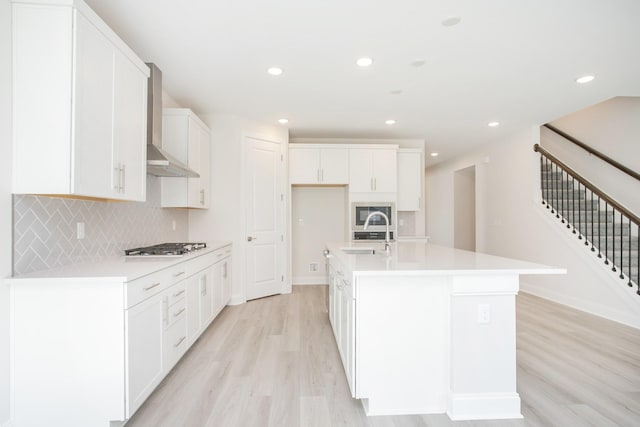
[159,162]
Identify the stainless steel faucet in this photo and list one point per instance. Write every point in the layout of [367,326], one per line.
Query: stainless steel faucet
[387,239]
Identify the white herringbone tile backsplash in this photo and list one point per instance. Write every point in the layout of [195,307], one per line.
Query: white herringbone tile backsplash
[44,228]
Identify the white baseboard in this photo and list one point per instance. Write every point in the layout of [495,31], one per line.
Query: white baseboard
[309,280]
[484,406]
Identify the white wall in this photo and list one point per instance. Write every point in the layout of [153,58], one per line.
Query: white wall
[511,222]
[613,128]
[464,206]
[5,201]
[318,215]
[224,220]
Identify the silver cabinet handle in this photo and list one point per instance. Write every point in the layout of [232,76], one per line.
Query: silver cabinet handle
[151,286]
[177,294]
[202,197]
[203,286]
[178,274]
[179,341]
[251,238]
[179,312]
[123,176]
[318,175]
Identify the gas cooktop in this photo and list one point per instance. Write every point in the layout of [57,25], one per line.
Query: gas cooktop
[165,249]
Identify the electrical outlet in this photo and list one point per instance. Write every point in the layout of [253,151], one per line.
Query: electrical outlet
[80,230]
[484,313]
[314,266]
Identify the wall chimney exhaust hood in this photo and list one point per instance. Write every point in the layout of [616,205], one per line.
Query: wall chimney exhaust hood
[159,162]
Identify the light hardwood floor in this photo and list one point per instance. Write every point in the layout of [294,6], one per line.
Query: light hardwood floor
[274,362]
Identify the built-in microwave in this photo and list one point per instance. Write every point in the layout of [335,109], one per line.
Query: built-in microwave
[377,224]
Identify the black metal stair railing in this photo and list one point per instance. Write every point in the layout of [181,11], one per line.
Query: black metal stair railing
[607,228]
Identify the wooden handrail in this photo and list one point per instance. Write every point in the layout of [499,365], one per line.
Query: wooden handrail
[595,152]
[617,206]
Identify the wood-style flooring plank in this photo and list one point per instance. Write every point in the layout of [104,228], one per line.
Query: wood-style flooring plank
[273,362]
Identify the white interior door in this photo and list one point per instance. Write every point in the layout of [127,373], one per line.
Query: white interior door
[264,218]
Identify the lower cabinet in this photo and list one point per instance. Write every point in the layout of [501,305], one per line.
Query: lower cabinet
[84,355]
[144,350]
[342,317]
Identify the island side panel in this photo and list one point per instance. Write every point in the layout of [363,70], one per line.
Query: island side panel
[402,324]
[483,348]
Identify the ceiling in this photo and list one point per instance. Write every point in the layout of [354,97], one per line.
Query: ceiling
[510,61]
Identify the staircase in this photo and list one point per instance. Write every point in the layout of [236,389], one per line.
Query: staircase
[607,229]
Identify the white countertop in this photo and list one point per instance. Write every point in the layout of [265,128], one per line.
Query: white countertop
[126,267]
[419,258]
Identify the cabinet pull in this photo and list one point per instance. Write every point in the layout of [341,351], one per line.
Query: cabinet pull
[177,294]
[179,312]
[123,176]
[219,255]
[321,175]
[116,178]
[151,286]
[202,197]
[318,175]
[203,286]
[224,270]
[179,341]
[178,274]
[375,184]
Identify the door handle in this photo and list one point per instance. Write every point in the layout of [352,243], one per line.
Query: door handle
[251,238]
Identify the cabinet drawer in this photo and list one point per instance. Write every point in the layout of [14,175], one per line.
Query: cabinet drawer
[177,292]
[175,342]
[140,289]
[175,312]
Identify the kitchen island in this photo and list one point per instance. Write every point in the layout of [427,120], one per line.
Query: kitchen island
[427,329]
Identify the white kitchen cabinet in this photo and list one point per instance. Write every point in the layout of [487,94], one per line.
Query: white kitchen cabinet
[186,138]
[103,341]
[410,178]
[373,170]
[79,126]
[207,292]
[145,367]
[309,164]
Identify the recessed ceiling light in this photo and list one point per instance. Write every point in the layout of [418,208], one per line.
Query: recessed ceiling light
[283,121]
[585,79]
[390,122]
[451,21]
[434,154]
[275,71]
[493,124]
[364,62]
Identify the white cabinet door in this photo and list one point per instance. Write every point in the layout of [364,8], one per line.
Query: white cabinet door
[186,138]
[334,164]
[328,166]
[144,325]
[373,171]
[385,171]
[206,297]
[226,282]
[410,176]
[129,131]
[304,166]
[92,170]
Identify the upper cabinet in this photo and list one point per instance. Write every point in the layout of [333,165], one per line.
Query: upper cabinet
[186,138]
[79,105]
[410,177]
[310,164]
[373,170]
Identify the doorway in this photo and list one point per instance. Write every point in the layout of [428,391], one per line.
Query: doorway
[464,206]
